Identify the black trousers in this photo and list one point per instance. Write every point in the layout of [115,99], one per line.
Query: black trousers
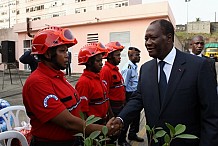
[134,124]
[68,69]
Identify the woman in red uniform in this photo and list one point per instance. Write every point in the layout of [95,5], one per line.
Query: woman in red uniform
[52,104]
[91,88]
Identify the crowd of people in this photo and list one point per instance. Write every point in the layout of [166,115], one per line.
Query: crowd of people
[173,87]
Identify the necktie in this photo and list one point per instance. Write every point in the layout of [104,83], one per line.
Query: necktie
[162,82]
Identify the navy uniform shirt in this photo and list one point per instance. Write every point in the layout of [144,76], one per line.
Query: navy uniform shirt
[130,76]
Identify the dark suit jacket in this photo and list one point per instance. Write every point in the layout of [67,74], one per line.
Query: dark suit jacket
[191,99]
[212,65]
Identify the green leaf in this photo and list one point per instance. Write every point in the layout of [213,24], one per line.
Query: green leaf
[179,129]
[155,140]
[92,120]
[160,133]
[166,144]
[171,128]
[82,115]
[94,134]
[97,143]
[167,138]
[79,134]
[104,130]
[147,128]
[88,142]
[101,137]
[187,136]
[104,139]
[158,128]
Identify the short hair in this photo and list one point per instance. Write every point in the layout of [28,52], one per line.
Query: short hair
[197,36]
[132,49]
[166,27]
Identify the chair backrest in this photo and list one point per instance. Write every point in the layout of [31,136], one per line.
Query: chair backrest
[9,135]
[13,116]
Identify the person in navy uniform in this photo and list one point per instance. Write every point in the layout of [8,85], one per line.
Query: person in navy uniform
[68,69]
[31,60]
[130,76]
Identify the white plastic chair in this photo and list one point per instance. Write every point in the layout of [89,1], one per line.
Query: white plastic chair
[9,135]
[13,115]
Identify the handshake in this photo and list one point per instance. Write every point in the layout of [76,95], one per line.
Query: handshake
[114,126]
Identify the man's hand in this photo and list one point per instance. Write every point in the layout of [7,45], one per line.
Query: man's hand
[114,126]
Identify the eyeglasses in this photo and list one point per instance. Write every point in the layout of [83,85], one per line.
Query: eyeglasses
[197,43]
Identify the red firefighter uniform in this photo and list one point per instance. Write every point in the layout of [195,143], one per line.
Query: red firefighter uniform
[45,96]
[114,80]
[93,93]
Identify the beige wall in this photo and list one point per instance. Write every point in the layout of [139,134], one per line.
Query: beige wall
[134,19]
[199,27]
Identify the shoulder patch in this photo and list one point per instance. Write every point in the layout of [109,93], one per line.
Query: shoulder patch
[47,98]
[129,66]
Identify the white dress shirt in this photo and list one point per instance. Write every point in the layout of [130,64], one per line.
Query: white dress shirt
[169,59]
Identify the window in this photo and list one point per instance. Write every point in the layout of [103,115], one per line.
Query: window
[55,15]
[77,1]
[80,10]
[92,37]
[99,7]
[77,10]
[27,43]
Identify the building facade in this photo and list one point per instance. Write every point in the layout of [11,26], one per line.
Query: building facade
[16,11]
[125,24]
[199,27]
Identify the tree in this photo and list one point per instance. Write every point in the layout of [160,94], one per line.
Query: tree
[198,19]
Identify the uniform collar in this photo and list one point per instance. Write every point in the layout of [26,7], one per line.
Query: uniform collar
[134,66]
[49,71]
[113,67]
[90,74]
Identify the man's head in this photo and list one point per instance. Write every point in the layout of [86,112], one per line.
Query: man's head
[159,38]
[114,52]
[134,54]
[91,55]
[51,45]
[197,44]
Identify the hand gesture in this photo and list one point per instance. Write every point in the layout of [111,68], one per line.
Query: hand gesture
[113,126]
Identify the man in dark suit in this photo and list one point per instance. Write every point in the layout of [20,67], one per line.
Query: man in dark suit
[190,97]
[197,45]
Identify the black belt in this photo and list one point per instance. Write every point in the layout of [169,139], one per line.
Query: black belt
[41,142]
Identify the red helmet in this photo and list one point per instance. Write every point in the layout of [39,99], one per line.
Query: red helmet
[90,50]
[50,37]
[113,46]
